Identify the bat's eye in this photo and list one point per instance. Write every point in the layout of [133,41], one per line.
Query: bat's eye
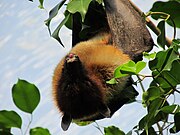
[76,57]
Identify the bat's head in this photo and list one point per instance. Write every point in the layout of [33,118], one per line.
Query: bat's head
[71,58]
[73,65]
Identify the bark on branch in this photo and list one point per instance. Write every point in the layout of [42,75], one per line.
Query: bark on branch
[128,28]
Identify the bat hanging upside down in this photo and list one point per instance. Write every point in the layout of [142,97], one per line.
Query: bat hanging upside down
[79,82]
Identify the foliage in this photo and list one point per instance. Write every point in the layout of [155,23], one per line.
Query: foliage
[164,66]
[26,97]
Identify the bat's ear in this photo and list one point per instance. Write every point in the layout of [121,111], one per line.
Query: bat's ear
[105,111]
[66,121]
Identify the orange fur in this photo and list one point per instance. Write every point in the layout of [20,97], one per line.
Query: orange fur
[95,54]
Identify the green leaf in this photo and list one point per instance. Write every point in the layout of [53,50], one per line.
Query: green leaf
[151,94]
[132,68]
[117,72]
[173,129]
[112,130]
[177,121]
[82,123]
[169,7]
[147,123]
[129,133]
[129,68]
[41,4]
[112,81]
[172,109]
[99,1]
[2,132]
[151,131]
[152,109]
[163,60]
[53,13]
[39,131]
[26,96]
[169,79]
[149,56]
[176,42]
[10,119]
[69,23]
[56,31]
[80,6]
[161,40]
[140,65]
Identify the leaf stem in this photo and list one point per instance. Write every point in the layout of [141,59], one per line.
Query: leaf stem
[160,129]
[98,127]
[166,18]
[140,82]
[144,76]
[30,121]
[21,131]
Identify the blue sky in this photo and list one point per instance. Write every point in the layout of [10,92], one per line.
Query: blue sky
[27,52]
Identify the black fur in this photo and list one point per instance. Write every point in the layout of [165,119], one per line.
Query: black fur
[78,95]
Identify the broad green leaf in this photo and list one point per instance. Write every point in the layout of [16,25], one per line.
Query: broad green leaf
[169,7]
[10,119]
[53,13]
[69,23]
[169,79]
[153,107]
[112,81]
[112,130]
[161,40]
[149,55]
[147,123]
[117,72]
[140,65]
[80,6]
[163,60]
[170,109]
[142,122]
[39,131]
[129,68]
[151,94]
[25,95]
[41,4]
[56,31]
[132,68]
[177,121]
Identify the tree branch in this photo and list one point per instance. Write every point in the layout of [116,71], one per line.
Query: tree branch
[150,24]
